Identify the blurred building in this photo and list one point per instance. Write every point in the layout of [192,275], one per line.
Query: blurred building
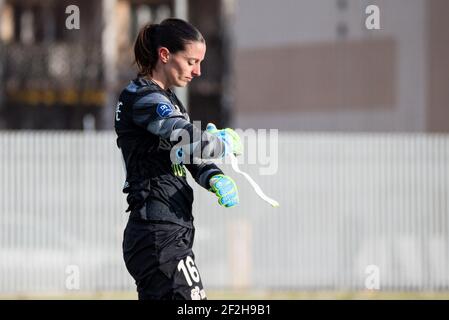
[293,64]
[55,77]
[52,76]
[313,65]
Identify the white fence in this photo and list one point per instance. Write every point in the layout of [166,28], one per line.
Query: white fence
[357,211]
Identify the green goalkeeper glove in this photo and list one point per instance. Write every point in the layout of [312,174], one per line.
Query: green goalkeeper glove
[231,139]
[225,189]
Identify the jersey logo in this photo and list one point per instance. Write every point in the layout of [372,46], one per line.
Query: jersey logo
[178,170]
[164,110]
[117,111]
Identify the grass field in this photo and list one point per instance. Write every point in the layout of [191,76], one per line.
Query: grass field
[253,295]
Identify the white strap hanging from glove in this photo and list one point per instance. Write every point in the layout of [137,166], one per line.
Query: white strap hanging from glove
[260,193]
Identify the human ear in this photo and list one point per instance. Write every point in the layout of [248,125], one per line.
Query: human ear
[164,54]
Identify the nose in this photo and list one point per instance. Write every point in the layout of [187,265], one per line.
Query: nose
[196,72]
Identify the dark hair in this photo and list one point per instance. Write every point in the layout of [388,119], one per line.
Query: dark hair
[171,33]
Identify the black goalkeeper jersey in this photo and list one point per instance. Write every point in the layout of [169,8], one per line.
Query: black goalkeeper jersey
[145,120]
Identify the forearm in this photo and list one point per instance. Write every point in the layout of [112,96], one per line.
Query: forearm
[193,141]
[203,172]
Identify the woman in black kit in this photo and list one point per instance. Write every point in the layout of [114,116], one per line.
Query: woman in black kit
[158,142]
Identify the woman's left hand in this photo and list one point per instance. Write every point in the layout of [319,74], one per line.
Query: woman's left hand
[225,189]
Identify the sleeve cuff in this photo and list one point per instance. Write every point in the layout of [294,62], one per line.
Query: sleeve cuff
[204,178]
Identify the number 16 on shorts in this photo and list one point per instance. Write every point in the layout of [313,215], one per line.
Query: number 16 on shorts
[192,276]
[187,266]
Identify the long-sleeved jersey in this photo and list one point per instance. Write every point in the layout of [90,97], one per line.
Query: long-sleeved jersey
[149,123]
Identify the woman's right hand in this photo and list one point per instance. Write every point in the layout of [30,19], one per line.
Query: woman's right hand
[230,138]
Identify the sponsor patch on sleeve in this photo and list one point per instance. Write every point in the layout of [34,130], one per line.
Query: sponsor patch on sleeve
[164,110]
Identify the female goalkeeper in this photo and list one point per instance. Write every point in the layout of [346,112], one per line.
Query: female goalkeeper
[158,142]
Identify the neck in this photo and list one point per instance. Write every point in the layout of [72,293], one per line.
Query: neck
[158,78]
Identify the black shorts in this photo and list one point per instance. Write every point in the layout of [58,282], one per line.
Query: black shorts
[159,257]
